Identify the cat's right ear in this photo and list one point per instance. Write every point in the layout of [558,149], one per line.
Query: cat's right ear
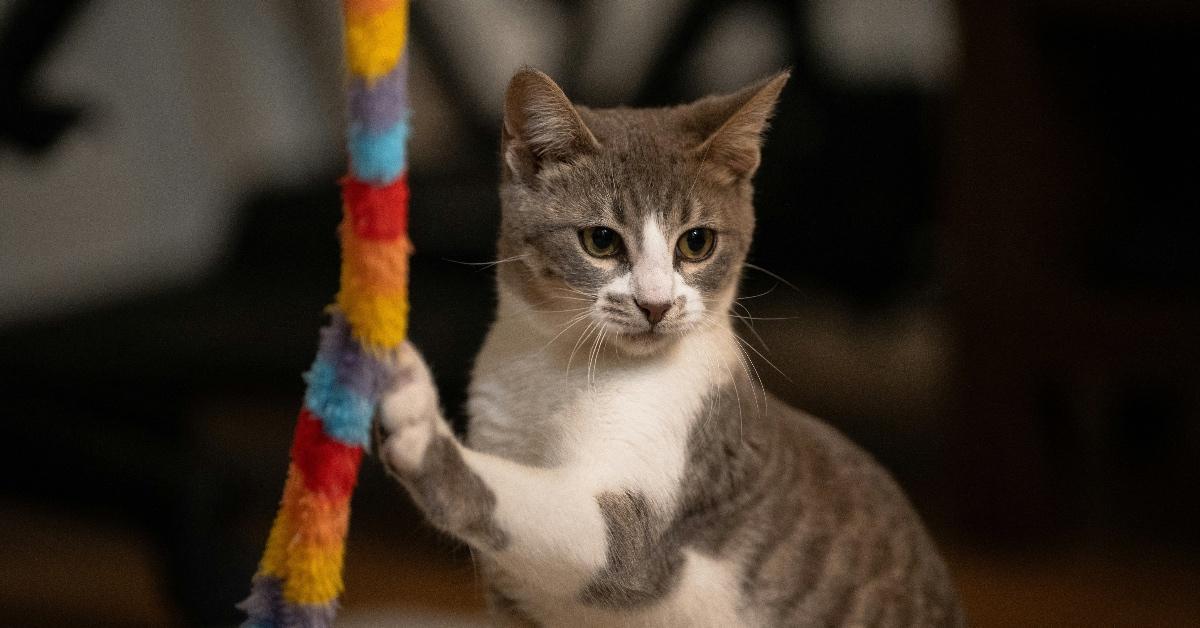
[734,126]
[540,126]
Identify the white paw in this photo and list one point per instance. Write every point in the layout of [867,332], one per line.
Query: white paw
[404,451]
[408,413]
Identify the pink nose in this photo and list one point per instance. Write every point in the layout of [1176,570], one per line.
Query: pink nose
[654,311]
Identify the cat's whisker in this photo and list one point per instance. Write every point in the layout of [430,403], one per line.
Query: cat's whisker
[773,276]
[715,400]
[770,318]
[522,314]
[594,357]
[594,338]
[474,566]
[754,394]
[594,325]
[587,371]
[744,309]
[599,351]
[749,323]
[761,294]
[576,291]
[747,362]
[737,397]
[706,321]
[483,265]
[748,368]
[765,359]
[573,322]
[708,407]
[754,331]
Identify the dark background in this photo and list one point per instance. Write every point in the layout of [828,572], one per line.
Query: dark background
[972,229]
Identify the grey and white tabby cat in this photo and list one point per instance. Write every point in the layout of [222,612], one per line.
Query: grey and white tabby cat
[622,466]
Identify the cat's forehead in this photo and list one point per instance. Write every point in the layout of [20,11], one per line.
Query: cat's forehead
[646,168]
[627,188]
[655,133]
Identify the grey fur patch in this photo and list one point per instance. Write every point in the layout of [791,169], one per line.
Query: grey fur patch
[645,551]
[637,572]
[453,497]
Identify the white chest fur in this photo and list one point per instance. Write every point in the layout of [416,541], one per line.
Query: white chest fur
[612,424]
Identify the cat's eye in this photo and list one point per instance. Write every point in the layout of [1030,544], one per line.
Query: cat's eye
[696,244]
[600,241]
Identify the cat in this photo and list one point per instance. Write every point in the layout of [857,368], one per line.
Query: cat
[622,465]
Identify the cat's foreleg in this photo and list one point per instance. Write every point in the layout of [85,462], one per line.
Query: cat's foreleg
[528,519]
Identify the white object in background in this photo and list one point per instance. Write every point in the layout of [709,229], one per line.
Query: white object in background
[887,41]
[187,105]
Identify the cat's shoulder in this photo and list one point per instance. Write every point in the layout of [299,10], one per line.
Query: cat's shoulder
[826,450]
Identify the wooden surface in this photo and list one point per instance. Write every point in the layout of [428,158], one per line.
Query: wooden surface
[57,569]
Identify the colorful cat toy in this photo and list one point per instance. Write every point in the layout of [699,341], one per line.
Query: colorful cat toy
[300,575]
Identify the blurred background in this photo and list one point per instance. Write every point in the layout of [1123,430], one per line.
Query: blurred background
[972,231]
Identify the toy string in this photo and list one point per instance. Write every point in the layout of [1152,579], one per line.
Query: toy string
[299,577]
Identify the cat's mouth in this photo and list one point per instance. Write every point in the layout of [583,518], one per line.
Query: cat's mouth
[639,341]
[644,338]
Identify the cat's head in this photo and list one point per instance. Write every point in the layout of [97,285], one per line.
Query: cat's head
[634,220]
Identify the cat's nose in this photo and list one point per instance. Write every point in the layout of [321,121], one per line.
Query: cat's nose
[654,311]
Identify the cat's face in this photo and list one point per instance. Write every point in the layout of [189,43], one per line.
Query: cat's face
[631,224]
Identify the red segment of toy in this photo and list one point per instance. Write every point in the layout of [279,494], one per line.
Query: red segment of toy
[327,466]
[376,213]
[368,7]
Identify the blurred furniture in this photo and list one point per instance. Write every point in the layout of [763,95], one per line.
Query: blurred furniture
[1072,278]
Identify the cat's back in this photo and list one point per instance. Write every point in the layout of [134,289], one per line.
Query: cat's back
[834,541]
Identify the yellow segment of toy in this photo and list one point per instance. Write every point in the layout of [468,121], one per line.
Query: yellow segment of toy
[316,551]
[274,560]
[379,322]
[375,40]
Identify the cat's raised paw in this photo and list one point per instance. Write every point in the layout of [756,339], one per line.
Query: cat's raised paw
[408,413]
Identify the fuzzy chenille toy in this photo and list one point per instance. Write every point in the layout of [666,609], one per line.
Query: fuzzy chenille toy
[300,575]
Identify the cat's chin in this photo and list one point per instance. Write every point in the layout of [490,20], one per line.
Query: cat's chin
[642,343]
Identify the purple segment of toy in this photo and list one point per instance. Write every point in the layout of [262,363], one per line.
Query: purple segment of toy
[308,615]
[264,604]
[356,369]
[267,608]
[380,106]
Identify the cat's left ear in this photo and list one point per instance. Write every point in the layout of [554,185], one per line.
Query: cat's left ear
[736,123]
[541,126]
